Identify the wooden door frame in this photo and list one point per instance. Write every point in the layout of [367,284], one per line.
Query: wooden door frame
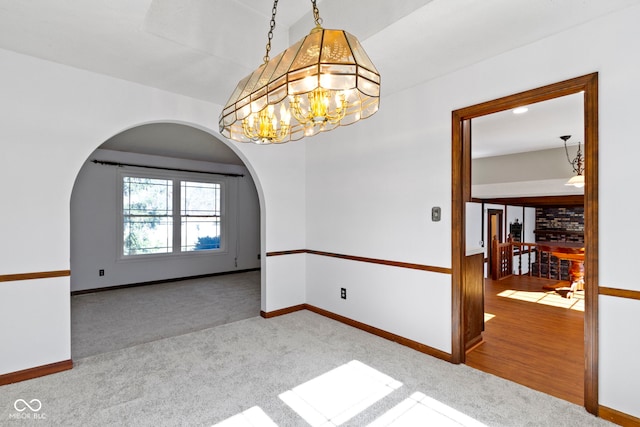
[500,213]
[489,242]
[461,193]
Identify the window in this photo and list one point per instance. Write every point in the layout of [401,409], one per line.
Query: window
[169,215]
[147,215]
[199,215]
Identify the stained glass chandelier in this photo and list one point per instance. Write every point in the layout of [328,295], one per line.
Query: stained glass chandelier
[321,82]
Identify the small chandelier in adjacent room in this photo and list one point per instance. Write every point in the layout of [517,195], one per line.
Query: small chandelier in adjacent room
[321,82]
[577,163]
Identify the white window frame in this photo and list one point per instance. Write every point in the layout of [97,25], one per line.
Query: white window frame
[176,178]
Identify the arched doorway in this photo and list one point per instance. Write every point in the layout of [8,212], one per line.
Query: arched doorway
[171,239]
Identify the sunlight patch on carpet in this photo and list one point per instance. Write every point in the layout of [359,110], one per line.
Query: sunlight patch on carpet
[252,417]
[340,394]
[422,410]
[336,396]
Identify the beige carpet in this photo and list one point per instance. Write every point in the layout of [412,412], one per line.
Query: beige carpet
[116,319]
[300,369]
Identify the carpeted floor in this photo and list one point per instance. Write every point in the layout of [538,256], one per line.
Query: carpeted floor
[117,319]
[251,367]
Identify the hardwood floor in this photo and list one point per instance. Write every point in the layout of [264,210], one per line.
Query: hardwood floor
[536,337]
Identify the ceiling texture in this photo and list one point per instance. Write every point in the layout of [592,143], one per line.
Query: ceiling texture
[201,48]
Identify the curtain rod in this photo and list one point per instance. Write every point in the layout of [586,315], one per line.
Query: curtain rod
[108,163]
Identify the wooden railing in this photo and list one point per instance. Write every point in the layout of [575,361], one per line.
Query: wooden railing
[502,258]
[527,255]
[518,258]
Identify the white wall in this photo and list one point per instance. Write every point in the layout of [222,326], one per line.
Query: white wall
[52,117]
[402,301]
[537,173]
[284,210]
[364,190]
[34,319]
[371,188]
[528,235]
[474,228]
[286,281]
[373,185]
[542,187]
[95,229]
[530,166]
[618,385]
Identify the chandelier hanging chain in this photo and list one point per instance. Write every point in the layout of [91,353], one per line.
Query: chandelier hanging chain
[271,28]
[323,81]
[316,14]
[577,162]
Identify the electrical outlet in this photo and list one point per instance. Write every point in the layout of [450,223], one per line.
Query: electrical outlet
[343,293]
[101,272]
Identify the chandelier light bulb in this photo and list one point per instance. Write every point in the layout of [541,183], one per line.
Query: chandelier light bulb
[285,115]
[264,127]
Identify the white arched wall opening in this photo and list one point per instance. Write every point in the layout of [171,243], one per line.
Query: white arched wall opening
[93,204]
[278,176]
[54,117]
[282,284]
[95,228]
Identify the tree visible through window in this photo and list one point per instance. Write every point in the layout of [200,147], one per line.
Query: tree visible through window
[170,215]
[200,215]
[147,214]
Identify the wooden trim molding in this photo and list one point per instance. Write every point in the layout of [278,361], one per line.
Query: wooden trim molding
[422,348]
[37,275]
[460,193]
[362,326]
[38,371]
[157,282]
[282,311]
[589,86]
[618,417]
[412,266]
[291,252]
[422,267]
[536,201]
[621,293]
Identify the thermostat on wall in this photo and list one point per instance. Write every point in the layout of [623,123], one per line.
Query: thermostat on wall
[435,213]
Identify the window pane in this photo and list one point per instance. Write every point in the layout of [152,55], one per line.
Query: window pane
[147,196]
[200,198]
[147,235]
[147,215]
[200,234]
[200,216]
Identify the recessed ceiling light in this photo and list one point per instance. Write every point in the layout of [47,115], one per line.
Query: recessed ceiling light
[520,110]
